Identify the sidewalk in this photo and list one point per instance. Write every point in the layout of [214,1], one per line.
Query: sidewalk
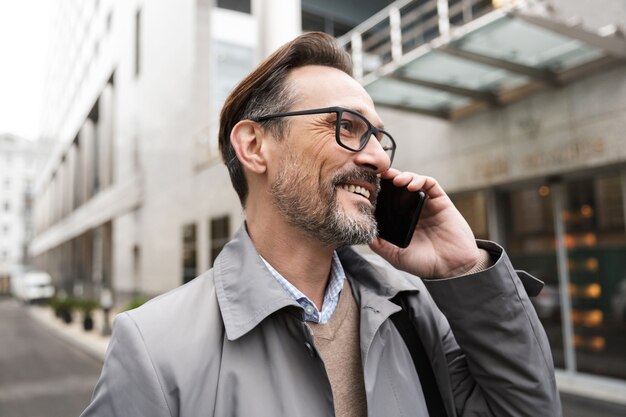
[92,342]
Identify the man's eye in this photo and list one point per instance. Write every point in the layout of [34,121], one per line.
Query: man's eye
[346,125]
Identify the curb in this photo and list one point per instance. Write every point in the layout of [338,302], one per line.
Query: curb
[91,344]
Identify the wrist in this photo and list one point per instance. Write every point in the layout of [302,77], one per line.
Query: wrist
[483,262]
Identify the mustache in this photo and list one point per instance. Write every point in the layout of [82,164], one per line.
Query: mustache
[359,174]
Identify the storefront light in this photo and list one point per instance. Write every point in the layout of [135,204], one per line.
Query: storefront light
[587,318]
[597,343]
[544,191]
[591,239]
[570,241]
[586,211]
[593,290]
[591,264]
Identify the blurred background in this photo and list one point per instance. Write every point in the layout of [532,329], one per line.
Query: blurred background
[112,190]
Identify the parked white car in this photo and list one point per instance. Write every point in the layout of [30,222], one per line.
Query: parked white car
[32,286]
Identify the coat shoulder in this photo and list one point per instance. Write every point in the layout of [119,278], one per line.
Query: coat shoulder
[183,319]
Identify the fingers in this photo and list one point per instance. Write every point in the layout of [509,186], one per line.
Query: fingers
[383,248]
[414,182]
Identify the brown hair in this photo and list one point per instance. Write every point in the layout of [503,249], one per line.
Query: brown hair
[265,91]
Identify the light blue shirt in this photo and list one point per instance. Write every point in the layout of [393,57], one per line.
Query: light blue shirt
[331,297]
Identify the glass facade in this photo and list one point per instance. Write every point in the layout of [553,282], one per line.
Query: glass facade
[572,235]
[595,243]
[529,232]
[219,236]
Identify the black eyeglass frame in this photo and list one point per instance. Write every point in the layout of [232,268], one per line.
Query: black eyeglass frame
[371,129]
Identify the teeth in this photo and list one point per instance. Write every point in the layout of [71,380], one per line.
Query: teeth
[357,189]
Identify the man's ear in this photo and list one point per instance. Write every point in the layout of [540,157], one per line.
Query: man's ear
[247,139]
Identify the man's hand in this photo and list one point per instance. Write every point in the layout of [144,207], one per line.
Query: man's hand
[443,244]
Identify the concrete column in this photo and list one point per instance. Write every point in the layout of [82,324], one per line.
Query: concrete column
[105,137]
[107,255]
[65,178]
[77,174]
[70,170]
[56,197]
[87,141]
[278,21]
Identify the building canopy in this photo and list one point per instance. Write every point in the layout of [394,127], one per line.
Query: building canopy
[453,58]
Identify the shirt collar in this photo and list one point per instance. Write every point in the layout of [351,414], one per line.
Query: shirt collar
[247,292]
[331,296]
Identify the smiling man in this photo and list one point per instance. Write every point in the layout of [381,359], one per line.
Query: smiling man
[293,322]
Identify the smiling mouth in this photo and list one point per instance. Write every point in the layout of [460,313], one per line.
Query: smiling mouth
[356,189]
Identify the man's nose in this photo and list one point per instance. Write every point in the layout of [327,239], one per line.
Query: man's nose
[373,156]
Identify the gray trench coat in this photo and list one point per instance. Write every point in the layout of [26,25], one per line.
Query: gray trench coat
[232,342]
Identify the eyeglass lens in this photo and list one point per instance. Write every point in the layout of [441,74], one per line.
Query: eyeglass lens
[354,133]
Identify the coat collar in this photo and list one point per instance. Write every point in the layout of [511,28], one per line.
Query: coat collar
[376,276]
[247,292]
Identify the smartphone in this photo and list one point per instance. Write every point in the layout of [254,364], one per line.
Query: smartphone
[397,213]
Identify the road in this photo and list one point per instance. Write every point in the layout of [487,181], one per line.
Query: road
[40,375]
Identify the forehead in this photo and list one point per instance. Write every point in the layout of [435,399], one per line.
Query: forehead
[319,86]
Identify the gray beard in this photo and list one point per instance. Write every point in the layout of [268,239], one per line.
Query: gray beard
[312,207]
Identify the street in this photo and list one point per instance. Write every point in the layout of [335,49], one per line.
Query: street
[40,375]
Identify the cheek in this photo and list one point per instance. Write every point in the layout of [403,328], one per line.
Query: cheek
[327,153]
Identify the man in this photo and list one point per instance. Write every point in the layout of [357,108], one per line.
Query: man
[293,322]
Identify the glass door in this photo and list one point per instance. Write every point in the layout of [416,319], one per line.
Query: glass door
[529,238]
[595,246]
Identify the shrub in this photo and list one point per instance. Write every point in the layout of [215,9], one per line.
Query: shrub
[136,302]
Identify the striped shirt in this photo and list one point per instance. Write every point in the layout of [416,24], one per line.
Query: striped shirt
[331,297]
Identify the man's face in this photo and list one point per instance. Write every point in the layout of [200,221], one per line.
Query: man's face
[325,190]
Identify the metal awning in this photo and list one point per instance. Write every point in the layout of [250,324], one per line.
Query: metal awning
[450,58]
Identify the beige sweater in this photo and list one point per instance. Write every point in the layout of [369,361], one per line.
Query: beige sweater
[338,344]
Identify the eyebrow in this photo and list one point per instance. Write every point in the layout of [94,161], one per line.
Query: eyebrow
[362,113]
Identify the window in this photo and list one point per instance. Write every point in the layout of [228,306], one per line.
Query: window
[137,42]
[7,206]
[530,242]
[234,62]
[595,243]
[572,235]
[312,21]
[190,250]
[338,17]
[242,6]
[220,235]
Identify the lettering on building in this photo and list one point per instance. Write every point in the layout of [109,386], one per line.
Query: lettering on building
[492,168]
[569,154]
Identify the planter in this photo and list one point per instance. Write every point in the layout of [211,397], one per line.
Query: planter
[66,315]
[87,307]
[88,323]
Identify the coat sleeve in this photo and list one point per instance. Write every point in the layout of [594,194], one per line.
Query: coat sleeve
[129,385]
[502,362]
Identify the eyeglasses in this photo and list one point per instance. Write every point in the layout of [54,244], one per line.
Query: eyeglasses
[352,130]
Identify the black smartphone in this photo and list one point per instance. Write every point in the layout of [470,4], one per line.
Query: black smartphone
[397,212]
